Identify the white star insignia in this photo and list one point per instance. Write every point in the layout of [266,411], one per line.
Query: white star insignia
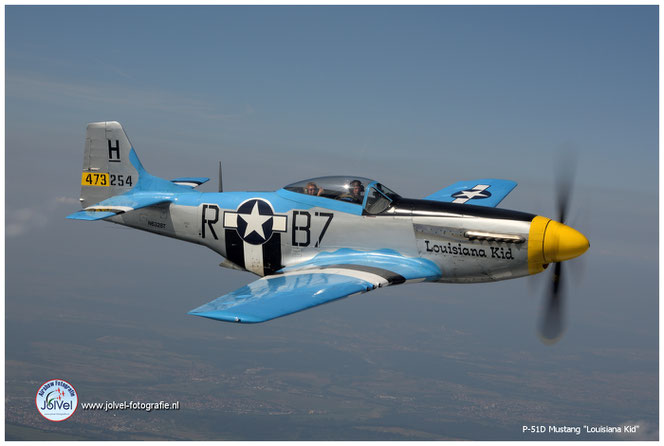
[255,222]
[465,195]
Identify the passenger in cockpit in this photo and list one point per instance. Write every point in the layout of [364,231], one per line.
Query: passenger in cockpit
[312,189]
[355,192]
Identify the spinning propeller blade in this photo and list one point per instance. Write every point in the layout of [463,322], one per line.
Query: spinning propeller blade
[552,323]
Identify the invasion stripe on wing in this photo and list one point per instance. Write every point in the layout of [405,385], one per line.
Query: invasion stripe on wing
[392,277]
[373,279]
[378,277]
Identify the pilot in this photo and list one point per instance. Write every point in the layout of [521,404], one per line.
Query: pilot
[312,189]
[355,192]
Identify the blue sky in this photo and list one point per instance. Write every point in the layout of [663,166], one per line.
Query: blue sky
[448,83]
[416,97]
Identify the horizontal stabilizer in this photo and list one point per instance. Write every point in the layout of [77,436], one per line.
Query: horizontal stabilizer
[485,192]
[120,204]
[192,182]
[91,215]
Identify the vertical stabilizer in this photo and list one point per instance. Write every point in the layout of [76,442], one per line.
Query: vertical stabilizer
[109,167]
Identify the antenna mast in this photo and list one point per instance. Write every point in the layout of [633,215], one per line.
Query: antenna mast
[221,187]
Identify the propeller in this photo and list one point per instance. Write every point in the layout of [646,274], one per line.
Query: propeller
[552,324]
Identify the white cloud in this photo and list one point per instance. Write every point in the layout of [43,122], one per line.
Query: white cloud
[67,200]
[21,221]
[26,86]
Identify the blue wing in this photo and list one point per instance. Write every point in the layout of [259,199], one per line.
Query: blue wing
[327,277]
[485,192]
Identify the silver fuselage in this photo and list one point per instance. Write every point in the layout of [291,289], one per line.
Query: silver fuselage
[439,232]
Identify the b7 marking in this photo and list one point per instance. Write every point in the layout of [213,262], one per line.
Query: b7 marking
[306,227]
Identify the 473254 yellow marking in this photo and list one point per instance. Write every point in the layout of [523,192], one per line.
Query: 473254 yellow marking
[94,179]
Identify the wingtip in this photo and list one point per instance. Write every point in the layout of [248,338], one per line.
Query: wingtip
[220,316]
[90,215]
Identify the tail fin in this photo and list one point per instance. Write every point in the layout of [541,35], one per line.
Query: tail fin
[110,164]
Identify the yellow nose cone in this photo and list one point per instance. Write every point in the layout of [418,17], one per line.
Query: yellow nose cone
[563,243]
[550,241]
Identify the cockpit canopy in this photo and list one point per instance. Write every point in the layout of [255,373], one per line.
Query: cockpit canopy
[363,191]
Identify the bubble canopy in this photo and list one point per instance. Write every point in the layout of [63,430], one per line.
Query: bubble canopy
[350,189]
